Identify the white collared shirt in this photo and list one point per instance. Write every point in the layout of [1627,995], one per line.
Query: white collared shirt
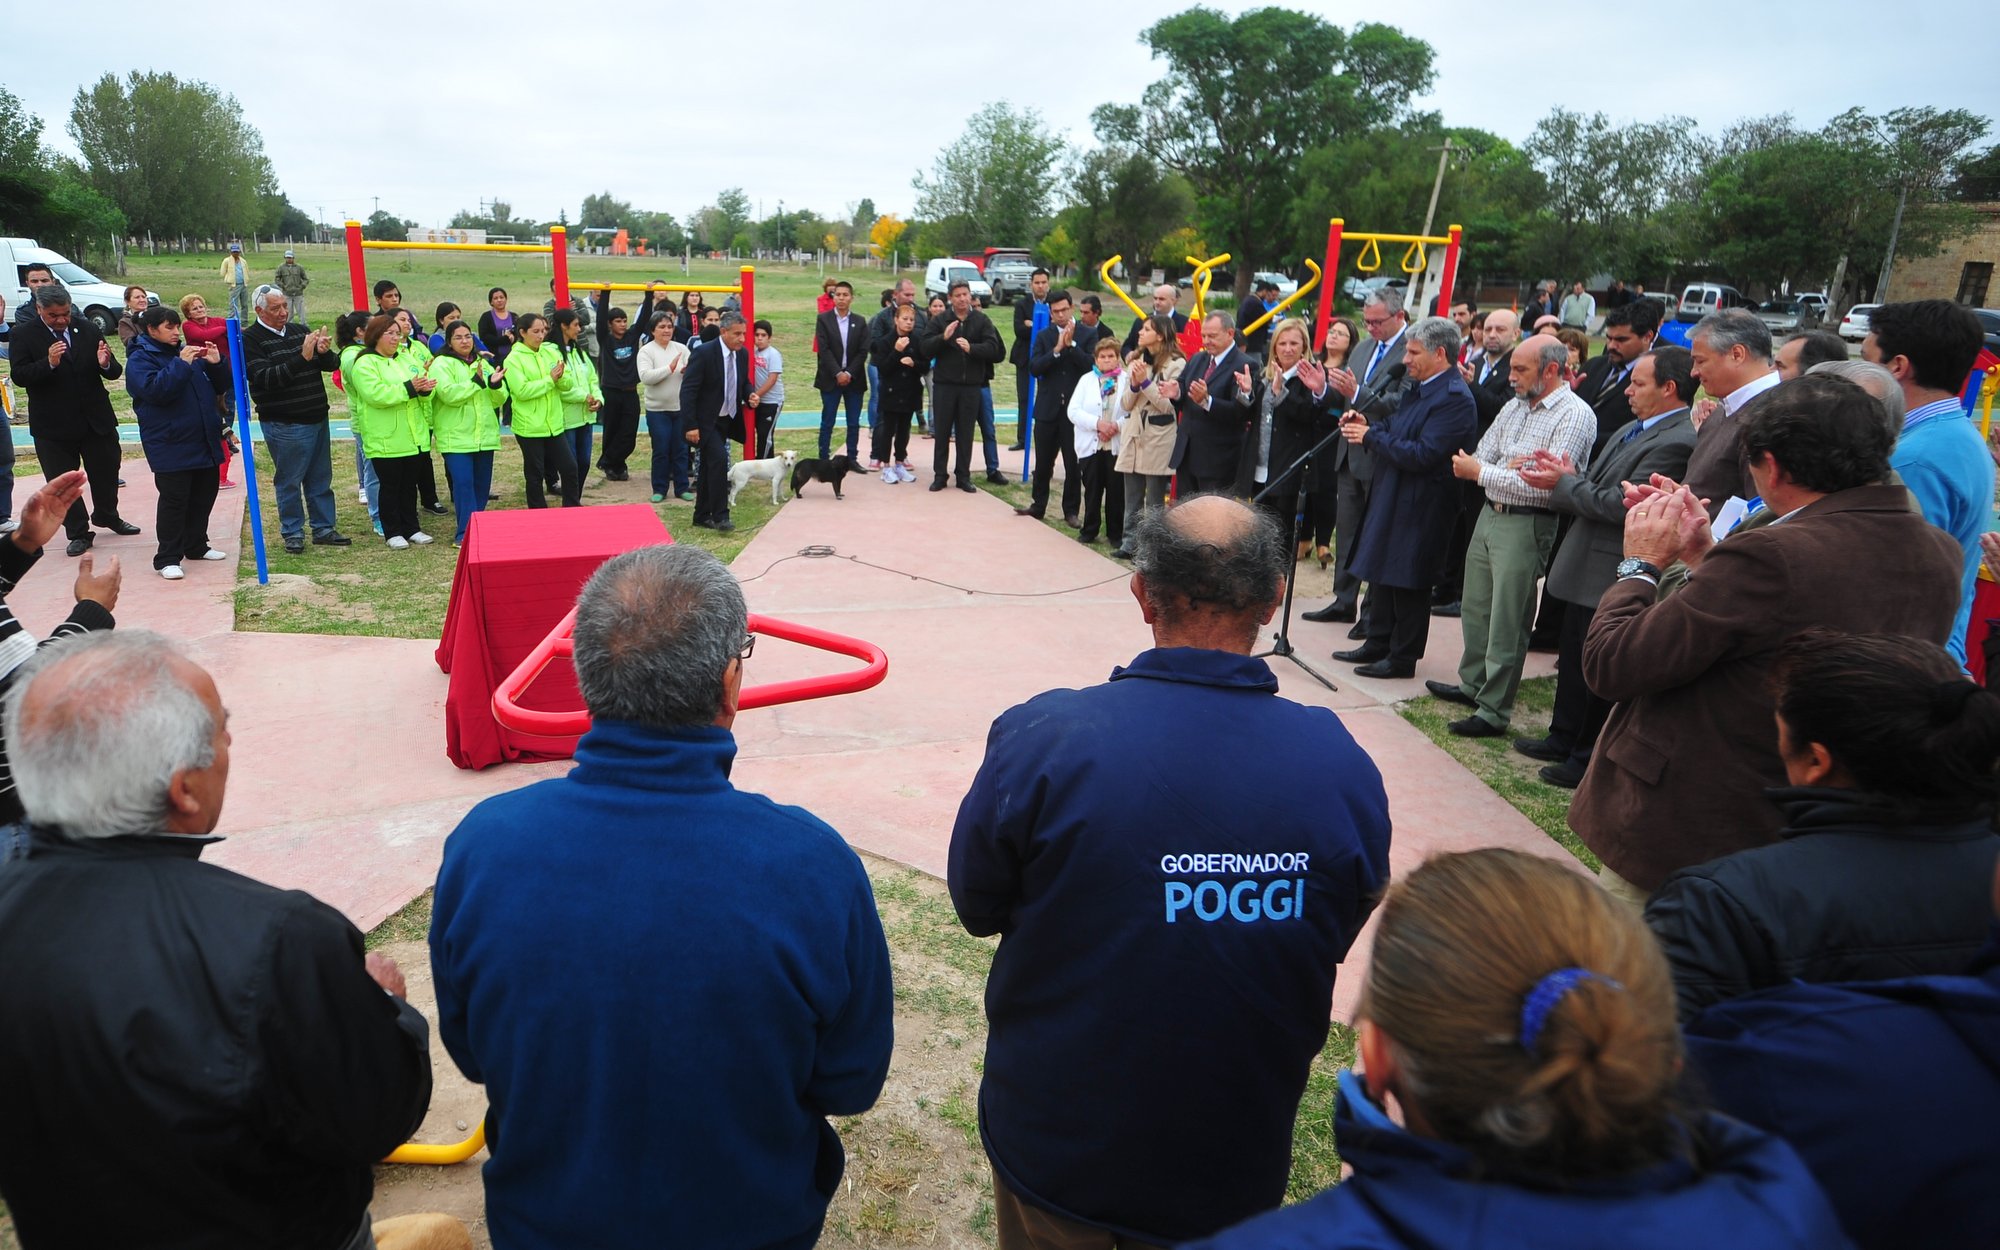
[1750,390]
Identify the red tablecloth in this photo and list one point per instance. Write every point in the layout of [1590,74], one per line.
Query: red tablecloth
[518,575]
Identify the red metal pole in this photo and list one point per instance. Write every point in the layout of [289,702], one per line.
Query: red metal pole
[1450,274]
[749,283]
[559,253]
[1329,276]
[357,267]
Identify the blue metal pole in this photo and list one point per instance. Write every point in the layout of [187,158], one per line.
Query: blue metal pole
[242,381]
[1025,420]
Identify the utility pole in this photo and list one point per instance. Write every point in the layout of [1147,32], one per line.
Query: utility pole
[1437,184]
[1889,261]
[378,206]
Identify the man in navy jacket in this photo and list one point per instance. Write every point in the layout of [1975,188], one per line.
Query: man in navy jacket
[1172,906]
[665,984]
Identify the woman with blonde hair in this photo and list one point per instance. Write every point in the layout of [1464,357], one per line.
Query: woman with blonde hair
[1522,1020]
[1145,409]
[1291,401]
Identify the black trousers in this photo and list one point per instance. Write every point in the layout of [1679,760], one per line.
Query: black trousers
[1549,616]
[1283,506]
[1399,616]
[1056,437]
[545,458]
[187,496]
[1351,511]
[427,479]
[1103,496]
[1579,714]
[890,440]
[711,489]
[767,425]
[620,418]
[1023,377]
[397,508]
[1322,507]
[97,455]
[957,419]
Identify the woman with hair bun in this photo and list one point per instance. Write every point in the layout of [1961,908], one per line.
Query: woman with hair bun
[1888,848]
[1522,1019]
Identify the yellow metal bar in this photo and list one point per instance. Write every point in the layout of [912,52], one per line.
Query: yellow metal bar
[1204,277]
[1288,301]
[1415,253]
[1118,288]
[1370,258]
[640,286]
[440,1155]
[1396,238]
[388,245]
[1989,389]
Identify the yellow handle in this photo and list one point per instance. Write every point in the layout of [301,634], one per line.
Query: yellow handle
[1416,250]
[1204,275]
[1118,288]
[1371,257]
[1288,301]
[440,1155]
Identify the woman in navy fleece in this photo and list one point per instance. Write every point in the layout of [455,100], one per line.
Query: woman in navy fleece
[1523,1021]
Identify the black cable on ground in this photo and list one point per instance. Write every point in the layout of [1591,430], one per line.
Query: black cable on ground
[821,552]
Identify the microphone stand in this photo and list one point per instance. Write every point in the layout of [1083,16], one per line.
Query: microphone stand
[1281,642]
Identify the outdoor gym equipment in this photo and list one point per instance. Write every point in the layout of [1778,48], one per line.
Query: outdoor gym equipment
[1414,261]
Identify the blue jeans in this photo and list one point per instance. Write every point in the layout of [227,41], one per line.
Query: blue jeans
[986,428]
[369,482]
[670,453]
[579,446]
[471,476]
[874,395]
[302,463]
[830,401]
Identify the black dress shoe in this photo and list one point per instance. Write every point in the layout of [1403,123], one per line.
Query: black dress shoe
[1450,693]
[435,508]
[1017,447]
[996,477]
[118,525]
[1358,631]
[1331,612]
[332,538]
[1070,519]
[1540,749]
[1567,775]
[1386,668]
[937,483]
[1363,655]
[295,546]
[1028,511]
[77,546]
[1087,539]
[492,497]
[1475,727]
[1444,609]
[724,527]
[968,488]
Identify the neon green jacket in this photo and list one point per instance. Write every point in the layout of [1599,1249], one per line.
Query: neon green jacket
[416,357]
[538,409]
[579,383]
[387,418]
[464,408]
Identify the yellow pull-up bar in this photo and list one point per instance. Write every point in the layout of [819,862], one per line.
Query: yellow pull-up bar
[391,245]
[1395,238]
[640,286]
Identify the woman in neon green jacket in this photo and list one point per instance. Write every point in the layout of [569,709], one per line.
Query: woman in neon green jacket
[416,357]
[391,425]
[347,330]
[465,421]
[581,395]
[533,374]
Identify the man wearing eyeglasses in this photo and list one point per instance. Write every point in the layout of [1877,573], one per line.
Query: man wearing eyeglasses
[666,984]
[1371,386]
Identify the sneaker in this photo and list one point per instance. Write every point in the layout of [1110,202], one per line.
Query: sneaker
[996,477]
[873,464]
[686,496]
[889,475]
[295,546]
[225,486]
[213,554]
[399,543]
[659,499]
[420,538]
[905,474]
[9,525]
[377,527]
[435,508]
[361,496]
[172,572]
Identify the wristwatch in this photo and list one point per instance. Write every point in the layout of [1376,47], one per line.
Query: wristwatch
[1633,566]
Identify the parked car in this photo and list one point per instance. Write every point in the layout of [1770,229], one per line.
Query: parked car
[1788,314]
[93,297]
[939,274]
[1816,303]
[1359,288]
[1285,285]
[1854,326]
[1699,299]
[1008,276]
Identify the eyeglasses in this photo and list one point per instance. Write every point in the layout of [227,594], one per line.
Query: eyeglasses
[1372,322]
[749,645]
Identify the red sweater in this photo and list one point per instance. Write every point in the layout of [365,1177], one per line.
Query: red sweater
[208,330]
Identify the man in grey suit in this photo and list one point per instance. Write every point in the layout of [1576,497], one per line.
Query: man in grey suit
[1372,386]
[1659,439]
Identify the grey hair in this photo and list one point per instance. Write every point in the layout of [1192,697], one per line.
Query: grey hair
[53,295]
[266,293]
[1878,382]
[1390,298]
[1228,322]
[1238,577]
[1553,352]
[1436,334]
[731,318]
[115,722]
[655,631]
[1734,327]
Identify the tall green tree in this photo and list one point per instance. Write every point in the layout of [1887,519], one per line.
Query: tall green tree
[45,196]
[991,186]
[601,211]
[1123,204]
[1244,98]
[176,156]
[732,217]
[384,226]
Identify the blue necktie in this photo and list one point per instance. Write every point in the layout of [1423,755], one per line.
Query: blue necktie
[1632,433]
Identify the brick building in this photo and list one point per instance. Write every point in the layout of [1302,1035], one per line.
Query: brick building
[1962,272]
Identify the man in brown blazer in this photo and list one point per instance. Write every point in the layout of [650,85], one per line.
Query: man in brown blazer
[1679,774]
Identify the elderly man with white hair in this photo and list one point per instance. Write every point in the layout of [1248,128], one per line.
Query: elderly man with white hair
[287,364]
[217,1056]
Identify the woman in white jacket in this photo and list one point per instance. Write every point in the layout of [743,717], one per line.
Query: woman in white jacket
[1093,411]
[662,365]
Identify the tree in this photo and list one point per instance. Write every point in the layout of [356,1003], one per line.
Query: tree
[991,185]
[1125,202]
[177,157]
[733,216]
[43,196]
[1978,177]
[600,211]
[384,226]
[886,235]
[1243,99]
[863,216]
[500,220]
[20,136]
[1057,250]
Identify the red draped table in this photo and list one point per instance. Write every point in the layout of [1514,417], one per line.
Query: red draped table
[518,576]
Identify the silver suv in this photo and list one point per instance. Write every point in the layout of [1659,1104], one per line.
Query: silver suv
[1008,276]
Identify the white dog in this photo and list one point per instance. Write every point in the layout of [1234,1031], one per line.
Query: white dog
[774,470]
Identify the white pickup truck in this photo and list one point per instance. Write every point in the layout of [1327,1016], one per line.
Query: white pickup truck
[92,296]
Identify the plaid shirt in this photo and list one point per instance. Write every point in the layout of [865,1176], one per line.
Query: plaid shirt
[1561,423]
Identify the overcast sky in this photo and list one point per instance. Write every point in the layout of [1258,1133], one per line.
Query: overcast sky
[840,112]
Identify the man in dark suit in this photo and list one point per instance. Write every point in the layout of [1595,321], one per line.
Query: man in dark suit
[1165,296]
[1658,439]
[62,362]
[1373,385]
[1412,502]
[1059,358]
[841,371]
[1216,398]
[714,392]
[1024,332]
[1689,751]
[966,345]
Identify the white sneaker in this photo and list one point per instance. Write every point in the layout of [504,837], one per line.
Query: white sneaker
[9,525]
[399,543]
[890,475]
[172,573]
[420,538]
[905,473]
[213,554]
[361,496]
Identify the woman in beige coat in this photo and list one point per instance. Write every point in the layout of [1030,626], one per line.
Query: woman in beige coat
[1146,428]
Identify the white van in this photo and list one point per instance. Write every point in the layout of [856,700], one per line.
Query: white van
[1703,298]
[92,296]
[942,272]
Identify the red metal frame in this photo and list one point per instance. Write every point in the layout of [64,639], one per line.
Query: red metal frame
[560,644]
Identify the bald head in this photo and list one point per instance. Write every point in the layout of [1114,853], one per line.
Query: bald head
[1502,327]
[1537,366]
[1165,296]
[1210,571]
